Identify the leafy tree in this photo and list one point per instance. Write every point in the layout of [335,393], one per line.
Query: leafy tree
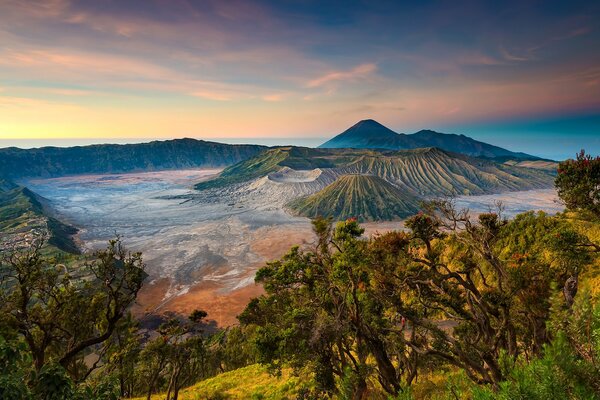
[569,367]
[179,356]
[122,355]
[578,183]
[451,290]
[61,317]
[318,313]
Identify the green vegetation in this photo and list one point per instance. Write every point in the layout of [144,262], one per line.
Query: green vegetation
[22,213]
[253,382]
[50,319]
[450,293]
[453,307]
[365,197]
[578,183]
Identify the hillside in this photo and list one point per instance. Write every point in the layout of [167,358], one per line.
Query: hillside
[366,197]
[113,158]
[433,172]
[426,172]
[252,382]
[23,214]
[370,134]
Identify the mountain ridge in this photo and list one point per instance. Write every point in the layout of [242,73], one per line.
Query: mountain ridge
[290,173]
[370,134]
[183,153]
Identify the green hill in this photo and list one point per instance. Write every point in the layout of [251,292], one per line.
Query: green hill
[23,214]
[365,197]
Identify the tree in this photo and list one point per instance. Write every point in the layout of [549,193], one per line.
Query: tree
[177,357]
[318,313]
[453,289]
[61,317]
[578,183]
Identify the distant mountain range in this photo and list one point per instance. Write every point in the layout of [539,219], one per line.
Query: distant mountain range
[357,172]
[112,158]
[370,134]
[18,163]
[365,197]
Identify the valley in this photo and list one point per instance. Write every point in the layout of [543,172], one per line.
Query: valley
[203,248]
[207,216]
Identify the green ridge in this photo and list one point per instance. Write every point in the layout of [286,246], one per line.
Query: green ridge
[365,197]
[22,211]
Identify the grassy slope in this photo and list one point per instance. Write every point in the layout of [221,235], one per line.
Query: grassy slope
[365,197]
[22,212]
[252,382]
[252,168]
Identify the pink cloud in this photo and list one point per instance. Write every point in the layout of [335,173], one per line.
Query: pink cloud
[361,71]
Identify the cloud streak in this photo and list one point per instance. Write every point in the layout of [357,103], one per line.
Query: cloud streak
[359,72]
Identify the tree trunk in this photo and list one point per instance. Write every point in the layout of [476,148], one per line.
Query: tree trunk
[387,372]
[360,389]
[570,290]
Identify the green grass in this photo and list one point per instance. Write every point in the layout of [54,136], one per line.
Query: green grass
[252,382]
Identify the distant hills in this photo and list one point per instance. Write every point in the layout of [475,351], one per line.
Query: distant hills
[365,197]
[18,163]
[370,134]
[112,158]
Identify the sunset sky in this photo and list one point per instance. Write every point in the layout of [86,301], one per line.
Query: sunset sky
[511,73]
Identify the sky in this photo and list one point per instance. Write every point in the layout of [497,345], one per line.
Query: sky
[521,74]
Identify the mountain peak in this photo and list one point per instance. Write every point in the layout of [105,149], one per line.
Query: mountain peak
[367,133]
[368,123]
[370,134]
